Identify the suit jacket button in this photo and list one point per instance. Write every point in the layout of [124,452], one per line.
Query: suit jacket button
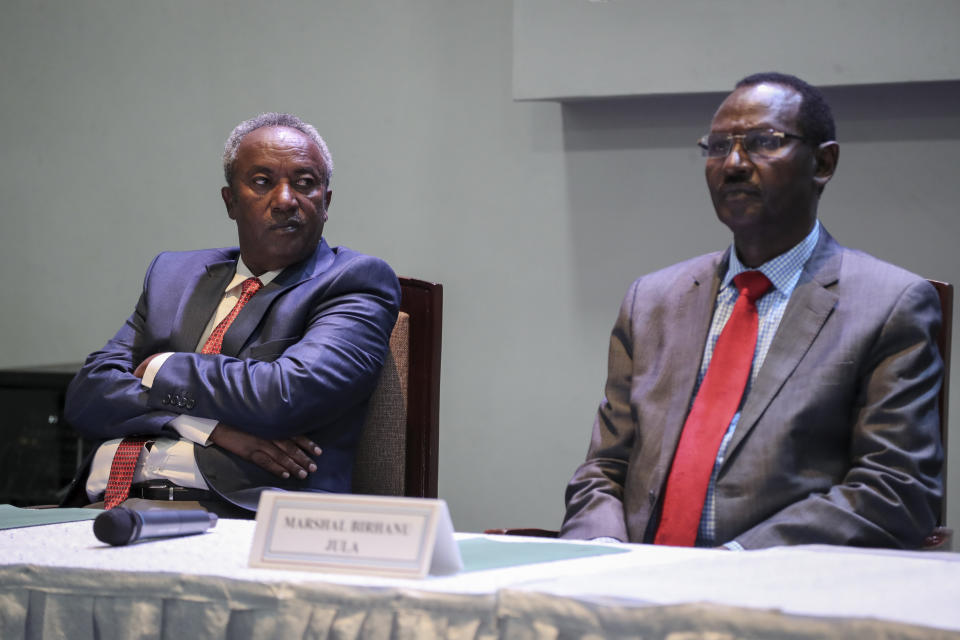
[191,404]
[652,496]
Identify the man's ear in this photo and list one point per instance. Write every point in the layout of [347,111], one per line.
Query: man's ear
[227,194]
[825,157]
[327,198]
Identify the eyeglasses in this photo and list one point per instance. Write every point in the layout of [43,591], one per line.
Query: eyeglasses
[756,142]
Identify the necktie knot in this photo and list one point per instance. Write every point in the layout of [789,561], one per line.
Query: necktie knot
[752,284]
[250,286]
[215,342]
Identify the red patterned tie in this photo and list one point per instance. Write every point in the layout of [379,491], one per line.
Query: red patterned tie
[713,409]
[247,288]
[121,471]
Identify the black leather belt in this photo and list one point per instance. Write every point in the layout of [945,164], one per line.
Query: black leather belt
[169,491]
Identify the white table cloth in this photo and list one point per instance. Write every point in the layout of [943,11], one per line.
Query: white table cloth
[59,581]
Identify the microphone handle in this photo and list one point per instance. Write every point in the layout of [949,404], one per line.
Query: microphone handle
[163,523]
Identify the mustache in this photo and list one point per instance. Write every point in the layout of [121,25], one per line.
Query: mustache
[736,186]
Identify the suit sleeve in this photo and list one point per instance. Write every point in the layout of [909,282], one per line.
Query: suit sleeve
[332,367]
[594,496]
[891,495]
[105,400]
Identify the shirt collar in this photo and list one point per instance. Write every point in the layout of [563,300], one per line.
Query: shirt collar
[243,272]
[784,270]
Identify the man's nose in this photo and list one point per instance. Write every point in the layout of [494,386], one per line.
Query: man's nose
[737,160]
[283,198]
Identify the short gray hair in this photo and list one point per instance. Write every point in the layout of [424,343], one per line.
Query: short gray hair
[273,119]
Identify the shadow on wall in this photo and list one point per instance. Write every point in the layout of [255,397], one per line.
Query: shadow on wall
[636,192]
[896,112]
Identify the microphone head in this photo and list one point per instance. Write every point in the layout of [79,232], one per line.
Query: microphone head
[116,526]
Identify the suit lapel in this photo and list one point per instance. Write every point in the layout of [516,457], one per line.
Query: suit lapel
[809,307]
[196,308]
[694,314]
[253,312]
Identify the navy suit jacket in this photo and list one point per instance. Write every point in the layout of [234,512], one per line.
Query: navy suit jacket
[302,357]
[838,440]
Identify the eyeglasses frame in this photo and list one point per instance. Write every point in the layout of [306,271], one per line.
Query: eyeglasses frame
[733,137]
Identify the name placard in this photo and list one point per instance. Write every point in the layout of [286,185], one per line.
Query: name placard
[388,536]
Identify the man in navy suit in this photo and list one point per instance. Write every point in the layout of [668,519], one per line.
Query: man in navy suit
[280,400]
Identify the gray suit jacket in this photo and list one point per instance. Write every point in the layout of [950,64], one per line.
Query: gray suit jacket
[302,357]
[838,440]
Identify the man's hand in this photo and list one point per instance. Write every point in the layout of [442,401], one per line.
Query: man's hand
[142,367]
[283,458]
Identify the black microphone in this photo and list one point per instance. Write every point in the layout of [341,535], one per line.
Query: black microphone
[120,526]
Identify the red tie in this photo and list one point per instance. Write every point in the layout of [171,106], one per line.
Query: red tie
[247,288]
[709,418]
[125,459]
[121,471]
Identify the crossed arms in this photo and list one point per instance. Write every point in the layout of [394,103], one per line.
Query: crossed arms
[315,353]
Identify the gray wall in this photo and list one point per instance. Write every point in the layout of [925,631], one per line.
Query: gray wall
[534,216]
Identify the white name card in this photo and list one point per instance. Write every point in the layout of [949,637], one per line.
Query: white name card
[398,537]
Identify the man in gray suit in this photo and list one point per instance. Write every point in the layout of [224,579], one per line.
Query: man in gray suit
[835,439]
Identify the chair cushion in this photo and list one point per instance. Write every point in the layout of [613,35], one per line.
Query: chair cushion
[380,465]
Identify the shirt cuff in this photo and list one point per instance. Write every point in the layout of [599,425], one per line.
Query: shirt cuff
[151,371]
[194,429]
[733,545]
